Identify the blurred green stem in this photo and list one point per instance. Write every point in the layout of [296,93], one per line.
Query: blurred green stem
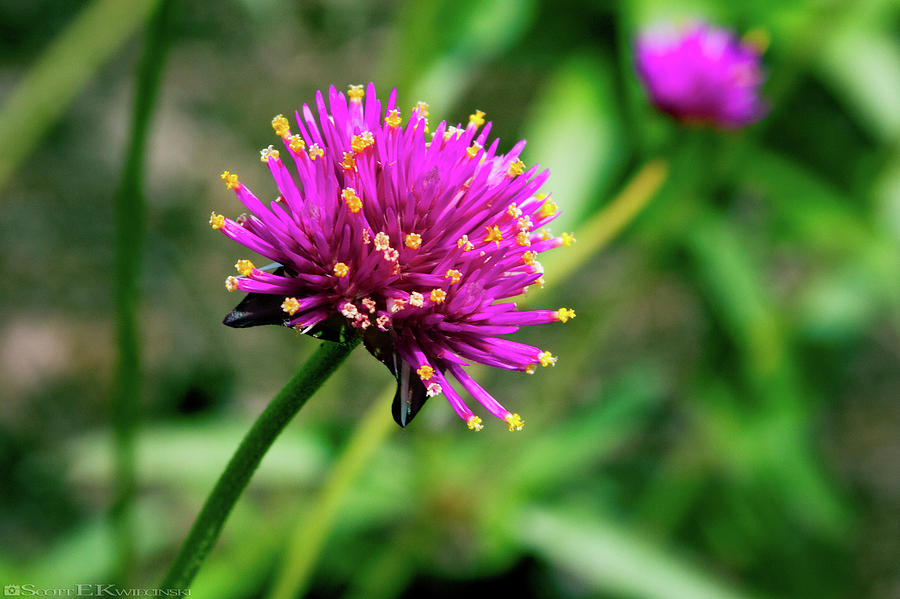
[312,530]
[249,454]
[129,220]
[307,539]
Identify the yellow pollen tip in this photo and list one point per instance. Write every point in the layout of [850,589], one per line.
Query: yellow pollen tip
[464,244]
[413,241]
[354,204]
[356,92]
[315,151]
[281,126]
[564,314]
[514,211]
[349,162]
[438,296]
[216,221]
[528,257]
[477,119]
[516,168]
[539,282]
[425,372]
[522,238]
[567,239]
[474,423]
[473,150]
[362,141]
[393,118]
[547,359]
[296,144]
[493,234]
[341,270]
[267,153]
[422,107]
[244,267]
[454,276]
[540,196]
[416,299]
[547,210]
[231,179]
[514,422]
[231,284]
[290,305]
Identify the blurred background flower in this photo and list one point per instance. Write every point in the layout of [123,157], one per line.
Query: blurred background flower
[700,74]
[723,419]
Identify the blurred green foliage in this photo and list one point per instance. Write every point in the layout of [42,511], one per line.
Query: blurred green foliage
[723,421]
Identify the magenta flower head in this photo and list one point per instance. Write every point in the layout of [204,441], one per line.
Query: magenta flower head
[409,239]
[700,74]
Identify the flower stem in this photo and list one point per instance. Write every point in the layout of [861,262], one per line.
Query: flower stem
[129,218]
[249,454]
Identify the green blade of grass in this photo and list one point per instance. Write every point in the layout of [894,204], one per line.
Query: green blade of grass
[61,72]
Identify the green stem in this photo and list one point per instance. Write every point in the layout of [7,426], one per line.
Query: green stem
[249,454]
[129,219]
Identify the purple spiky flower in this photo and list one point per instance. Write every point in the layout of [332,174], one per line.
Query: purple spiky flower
[701,74]
[407,239]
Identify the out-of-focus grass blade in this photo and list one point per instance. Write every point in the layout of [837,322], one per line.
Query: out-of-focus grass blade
[444,43]
[60,73]
[861,60]
[610,558]
[160,452]
[574,129]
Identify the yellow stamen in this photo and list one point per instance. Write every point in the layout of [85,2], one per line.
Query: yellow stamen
[356,92]
[530,369]
[414,241]
[393,119]
[524,223]
[244,266]
[454,276]
[349,162]
[516,169]
[477,119]
[416,299]
[438,296]
[315,151]
[473,150]
[540,196]
[433,389]
[528,257]
[539,282]
[493,234]
[290,305]
[231,283]
[464,244]
[514,422]
[341,270]
[522,238]
[425,372]
[362,141]
[281,126]
[545,234]
[567,239]
[547,210]
[267,153]
[422,107]
[296,144]
[547,359]
[564,314]
[382,241]
[231,179]
[354,204]
[216,221]
[474,423]
[514,211]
